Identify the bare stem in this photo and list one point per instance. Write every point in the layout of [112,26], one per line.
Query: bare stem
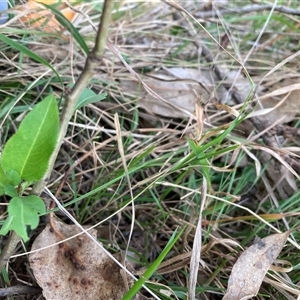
[9,248]
[91,65]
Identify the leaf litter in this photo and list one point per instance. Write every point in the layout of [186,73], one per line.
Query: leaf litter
[170,110]
[180,86]
[251,267]
[75,269]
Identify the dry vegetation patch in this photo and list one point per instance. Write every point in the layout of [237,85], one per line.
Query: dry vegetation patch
[202,90]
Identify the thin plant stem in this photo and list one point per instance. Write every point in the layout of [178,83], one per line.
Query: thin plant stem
[9,248]
[91,65]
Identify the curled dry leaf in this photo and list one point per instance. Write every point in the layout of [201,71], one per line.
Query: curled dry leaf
[75,270]
[250,269]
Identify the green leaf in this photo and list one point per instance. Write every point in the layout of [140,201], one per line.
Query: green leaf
[3,182]
[8,181]
[28,151]
[23,212]
[88,96]
[10,191]
[13,177]
[6,226]
[2,189]
[3,179]
[36,203]
[67,24]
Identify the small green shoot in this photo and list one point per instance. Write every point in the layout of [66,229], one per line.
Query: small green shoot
[23,212]
[25,157]
[150,271]
[29,150]
[88,96]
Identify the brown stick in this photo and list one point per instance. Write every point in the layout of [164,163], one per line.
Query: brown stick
[19,289]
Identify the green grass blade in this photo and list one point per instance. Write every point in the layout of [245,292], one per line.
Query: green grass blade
[67,24]
[28,52]
[139,283]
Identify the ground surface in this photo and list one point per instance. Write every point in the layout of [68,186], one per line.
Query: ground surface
[183,137]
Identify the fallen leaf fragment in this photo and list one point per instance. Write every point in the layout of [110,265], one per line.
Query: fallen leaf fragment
[250,269]
[180,87]
[287,91]
[39,16]
[75,270]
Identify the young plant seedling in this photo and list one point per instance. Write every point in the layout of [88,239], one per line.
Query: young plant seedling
[24,160]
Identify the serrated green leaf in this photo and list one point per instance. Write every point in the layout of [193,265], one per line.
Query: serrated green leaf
[3,179]
[28,151]
[10,191]
[8,182]
[6,226]
[23,212]
[35,203]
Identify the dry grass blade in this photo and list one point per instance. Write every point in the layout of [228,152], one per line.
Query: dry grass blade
[127,167]
[195,258]
[121,150]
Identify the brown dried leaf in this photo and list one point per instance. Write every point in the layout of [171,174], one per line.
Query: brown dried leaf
[75,270]
[178,94]
[289,107]
[250,269]
[180,87]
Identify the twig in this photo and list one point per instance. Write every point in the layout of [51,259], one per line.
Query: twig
[288,131]
[91,65]
[19,289]
[9,248]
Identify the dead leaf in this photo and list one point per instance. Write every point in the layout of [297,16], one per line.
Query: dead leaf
[178,94]
[289,107]
[250,269]
[38,16]
[75,270]
[228,109]
[180,87]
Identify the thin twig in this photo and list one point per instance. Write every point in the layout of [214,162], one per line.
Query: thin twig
[19,289]
[9,248]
